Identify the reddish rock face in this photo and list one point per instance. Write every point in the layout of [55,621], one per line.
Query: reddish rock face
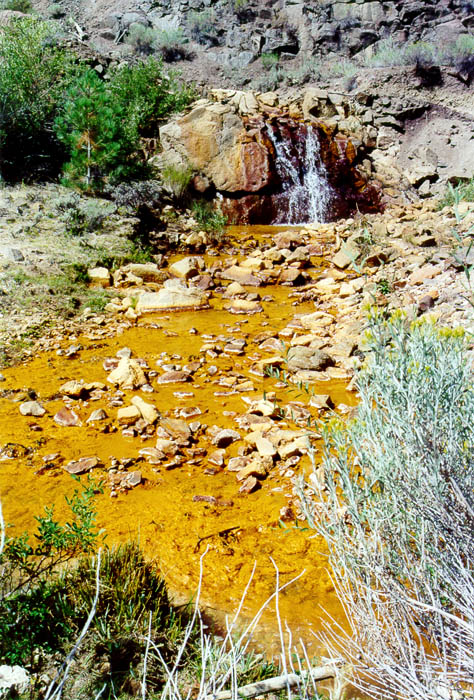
[269,170]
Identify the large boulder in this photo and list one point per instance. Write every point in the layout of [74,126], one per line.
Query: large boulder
[212,140]
[174,295]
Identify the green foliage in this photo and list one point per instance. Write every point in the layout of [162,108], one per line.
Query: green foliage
[176,179]
[202,27]
[210,219]
[34,71]
[462,192]
[24,562]
[90,126]
[169,43]
[389,53]
[16,5]
[53,108]
[81,217]
[269,60]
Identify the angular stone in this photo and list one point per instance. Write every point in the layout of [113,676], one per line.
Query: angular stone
[99,276]
[346,255]
[127,375]
[173,377]
[147,411]
[250,484]
[244,306]
[73,388]
[308,358]
[171,299]
[176,428]
[321,401]
[66,418]
[82,465]
[225,437]
[97,415]
[265,447]
[32,408]
[186,268]
[241,275]
[128,415]
[131,479]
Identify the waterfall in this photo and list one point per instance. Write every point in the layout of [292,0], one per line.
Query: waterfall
[305,191]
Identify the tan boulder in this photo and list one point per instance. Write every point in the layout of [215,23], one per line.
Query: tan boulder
[127,375]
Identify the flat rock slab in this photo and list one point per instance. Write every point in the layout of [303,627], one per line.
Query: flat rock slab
[171,300]
[82,465]
[67,418]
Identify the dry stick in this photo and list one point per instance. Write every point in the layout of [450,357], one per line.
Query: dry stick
[64,670]
[148,640]
[320,673]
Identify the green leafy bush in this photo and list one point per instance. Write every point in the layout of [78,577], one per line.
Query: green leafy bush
[34,72]
[394,502]
[202,27]
[16,5]
[210,219]
[176,179]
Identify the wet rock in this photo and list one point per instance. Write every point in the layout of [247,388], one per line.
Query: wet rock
[127,375]
[241,275]
[298,446]
[172,298]
[250,485]
[217,458]
[167,447]
[124,352]
[265,447]
[131,480]
[244,306]
[308,358]
[205,499]
[186,268]
[176,428]
[224,438]
[174,377]
[67,418]
[147,411]
[234,289]
[128,415]
[82,465]
[98,415]
[291,275]
[152,455]
[32,408]
[74,389]
[321,401]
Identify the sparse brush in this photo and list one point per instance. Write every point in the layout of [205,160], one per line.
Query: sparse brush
[395,505]
[176,179]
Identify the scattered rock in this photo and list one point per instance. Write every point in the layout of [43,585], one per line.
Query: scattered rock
[67,418]
[147,411]
[127,375]
[128,415]
[32,408]
[224,438]
[82,465]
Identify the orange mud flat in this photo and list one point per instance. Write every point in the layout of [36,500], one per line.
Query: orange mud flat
[185,506]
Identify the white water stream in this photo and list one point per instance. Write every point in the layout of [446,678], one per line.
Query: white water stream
[306,192]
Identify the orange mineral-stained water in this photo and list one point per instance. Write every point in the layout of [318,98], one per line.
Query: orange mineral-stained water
[176,513]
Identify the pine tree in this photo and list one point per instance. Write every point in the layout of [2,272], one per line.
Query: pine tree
[90,127]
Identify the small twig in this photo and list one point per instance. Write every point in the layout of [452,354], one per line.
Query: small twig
[270,685]
[145,661]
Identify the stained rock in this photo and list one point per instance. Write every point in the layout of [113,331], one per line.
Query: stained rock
[265,447]
[99,276]
[176,298]
[308,358]
[176,428]
[73,388]
[32,408]
[241,275]
[174,377]
[225,437]
[148,412]
[97,415]
[186,268]
[82,465]
[250,484]
[127,375]
[128,415]
[67,418]
[131,479]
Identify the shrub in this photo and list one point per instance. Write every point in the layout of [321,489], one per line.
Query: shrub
[91,126]
[32,80]
[142,39]
[176,179]
[202,27]
[463,191]
[269,60]
[17,5]
[394,502]
[210,219]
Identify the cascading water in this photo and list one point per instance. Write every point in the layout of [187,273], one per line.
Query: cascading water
[305,193]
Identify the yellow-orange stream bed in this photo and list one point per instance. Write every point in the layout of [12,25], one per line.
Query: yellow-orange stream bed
[176,513]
